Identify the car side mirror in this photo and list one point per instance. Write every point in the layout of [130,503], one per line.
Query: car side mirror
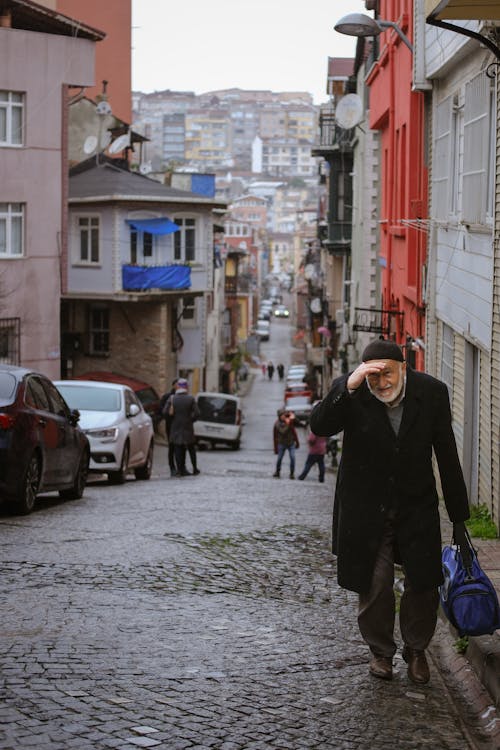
[133,410]
[74,417]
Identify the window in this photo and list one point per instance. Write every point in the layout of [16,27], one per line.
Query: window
[36,395]
[11,230]
[88,229]
[9,340]
[456,150]
[11,118]
[443,158]
[477,149]
[99,330]
[184,240]
[189,310]
[141,241]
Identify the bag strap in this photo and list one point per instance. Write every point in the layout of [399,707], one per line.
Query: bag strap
[468,555]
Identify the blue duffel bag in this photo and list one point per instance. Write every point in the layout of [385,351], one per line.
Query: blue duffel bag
[468,597]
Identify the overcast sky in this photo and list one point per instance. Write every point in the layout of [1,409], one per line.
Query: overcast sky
[202,45]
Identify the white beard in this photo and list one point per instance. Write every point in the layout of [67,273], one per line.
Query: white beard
[389,394]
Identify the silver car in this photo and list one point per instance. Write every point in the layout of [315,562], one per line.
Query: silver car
[119,431]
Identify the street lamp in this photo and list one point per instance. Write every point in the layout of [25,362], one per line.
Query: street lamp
[359,24]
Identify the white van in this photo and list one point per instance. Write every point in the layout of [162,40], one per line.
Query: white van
[219,420]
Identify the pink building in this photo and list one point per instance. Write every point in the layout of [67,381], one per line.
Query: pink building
[42,53]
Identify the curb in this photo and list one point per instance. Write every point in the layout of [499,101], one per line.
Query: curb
[483,653]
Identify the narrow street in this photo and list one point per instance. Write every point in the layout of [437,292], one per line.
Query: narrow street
[200,612]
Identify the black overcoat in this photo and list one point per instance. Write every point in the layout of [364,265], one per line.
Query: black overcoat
[186,412]
[379,471]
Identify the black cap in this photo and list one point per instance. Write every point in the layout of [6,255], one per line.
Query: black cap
[382,349]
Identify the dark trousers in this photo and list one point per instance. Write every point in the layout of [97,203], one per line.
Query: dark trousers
[377,607]
[314,458]
[180,456]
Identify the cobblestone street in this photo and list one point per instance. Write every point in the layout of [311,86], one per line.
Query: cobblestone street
[199,612]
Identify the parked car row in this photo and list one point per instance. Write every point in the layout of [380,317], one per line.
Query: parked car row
[52,434]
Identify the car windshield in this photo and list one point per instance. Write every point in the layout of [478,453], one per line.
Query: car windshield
[217,409]
[91,398]
[7,387]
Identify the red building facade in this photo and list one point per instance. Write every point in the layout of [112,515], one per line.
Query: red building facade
[398,113]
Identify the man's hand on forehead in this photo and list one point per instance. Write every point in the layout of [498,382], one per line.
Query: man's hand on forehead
[372,367]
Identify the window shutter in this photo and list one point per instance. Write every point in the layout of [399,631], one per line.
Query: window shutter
[476,147]
[441,161]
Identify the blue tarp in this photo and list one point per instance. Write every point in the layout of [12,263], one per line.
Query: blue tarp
[140,278]
[154,226]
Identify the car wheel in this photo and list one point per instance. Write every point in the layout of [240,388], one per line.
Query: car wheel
[236,445]
[76,492]
[25,502]
[144,472]
[119,477]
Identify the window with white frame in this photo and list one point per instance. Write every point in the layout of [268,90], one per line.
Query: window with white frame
[185,240]
[142,247]
[477,168]
[99,320]
[442,158]
[11,118]
[457,128]
[88,236]
[11,230]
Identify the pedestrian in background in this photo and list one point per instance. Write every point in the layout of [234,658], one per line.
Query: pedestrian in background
[285,439]
[316,455]
[270,370]
[281,370]
[386,501]
[168,422]
[183,410]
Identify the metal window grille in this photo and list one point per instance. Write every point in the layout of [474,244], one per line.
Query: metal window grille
[10,341]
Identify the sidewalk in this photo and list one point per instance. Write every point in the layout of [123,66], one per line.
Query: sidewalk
[483,653]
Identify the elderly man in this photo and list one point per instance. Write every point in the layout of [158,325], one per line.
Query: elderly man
[183,411]
[386,501]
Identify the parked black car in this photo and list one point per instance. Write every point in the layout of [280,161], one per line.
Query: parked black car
[41,446]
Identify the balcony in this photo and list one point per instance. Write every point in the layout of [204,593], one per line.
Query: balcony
[385,322]
[339,237]
[143,278]
[331,136]
[231,286]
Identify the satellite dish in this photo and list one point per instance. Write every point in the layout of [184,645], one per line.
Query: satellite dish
[349,111]
[90,144]
[316,305]
[103,108]
[145,167]
[123,141]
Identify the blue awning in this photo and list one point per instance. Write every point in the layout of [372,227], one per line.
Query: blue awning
[154,226]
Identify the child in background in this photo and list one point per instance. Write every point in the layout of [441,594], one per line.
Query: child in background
[316,455]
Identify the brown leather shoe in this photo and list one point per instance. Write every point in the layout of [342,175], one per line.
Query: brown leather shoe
[381,666]
[418,668]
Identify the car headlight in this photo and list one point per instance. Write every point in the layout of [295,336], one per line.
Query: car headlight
[107,433]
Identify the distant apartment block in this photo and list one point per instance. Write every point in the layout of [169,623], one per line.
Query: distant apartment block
[220,127]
